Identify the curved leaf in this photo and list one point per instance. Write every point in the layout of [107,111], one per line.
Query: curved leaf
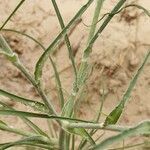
[44,56]
[34,104]
[114,116]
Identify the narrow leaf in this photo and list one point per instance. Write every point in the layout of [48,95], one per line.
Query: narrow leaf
[44,56]
[68,44]
[34,104]
[77,131]
[83,133]
[26,35]
[68,107]
[114,116]
[13,12]
[58,82]
[38,115]
[5,47]
[87,51]
[28,122]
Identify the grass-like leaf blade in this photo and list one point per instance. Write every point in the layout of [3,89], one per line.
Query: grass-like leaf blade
[114,116]
[58,82]
[28,122]
[13,12]
[44,56]
[34,104]
[38,115]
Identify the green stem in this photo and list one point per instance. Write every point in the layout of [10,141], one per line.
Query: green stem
[93,131]
[26,35]
[73,142]
[58,82]
[97,126]
[61,141]
[84,66]
[15,60]
[20,66]
[27,74]
[87,51]
[25,133]
[98,7]
[53,65]
[66,37]
[51,128]
[44,56]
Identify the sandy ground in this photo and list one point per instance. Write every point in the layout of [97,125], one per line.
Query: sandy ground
[116,56]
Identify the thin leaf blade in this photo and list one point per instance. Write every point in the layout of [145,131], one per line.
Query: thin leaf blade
[114,116]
